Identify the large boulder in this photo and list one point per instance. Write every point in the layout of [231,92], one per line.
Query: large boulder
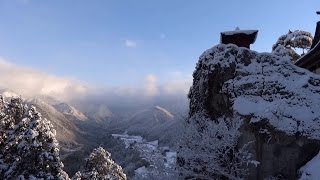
[277,103]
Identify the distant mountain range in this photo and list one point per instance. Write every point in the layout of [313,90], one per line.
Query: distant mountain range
[61,115]
[153,123]
[69,110]
[83,126]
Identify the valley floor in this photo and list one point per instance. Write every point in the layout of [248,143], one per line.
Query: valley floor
[161,161]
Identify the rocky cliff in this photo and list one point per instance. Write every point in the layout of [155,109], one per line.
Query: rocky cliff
[276,102]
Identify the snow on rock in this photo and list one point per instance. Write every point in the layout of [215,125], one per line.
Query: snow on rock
[170,158]
[311,171]
[142,171]
[277,103]
[154,143]
[260,85]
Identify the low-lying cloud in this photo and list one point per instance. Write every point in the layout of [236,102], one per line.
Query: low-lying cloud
[29,82]
[150,83]
[152,87]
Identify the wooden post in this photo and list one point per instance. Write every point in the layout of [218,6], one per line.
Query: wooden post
[316,38]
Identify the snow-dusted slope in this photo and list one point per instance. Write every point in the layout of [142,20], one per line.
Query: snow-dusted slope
[166,112]
[154,123]
[70,111]
[152,116]
[97,112]
[66,129]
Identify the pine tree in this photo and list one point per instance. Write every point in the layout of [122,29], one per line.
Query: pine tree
[100,166]
[287,44]
[209,150]
[28,149]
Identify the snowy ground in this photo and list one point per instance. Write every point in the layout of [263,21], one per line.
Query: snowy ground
[311,171]
[162,159]
[128,140]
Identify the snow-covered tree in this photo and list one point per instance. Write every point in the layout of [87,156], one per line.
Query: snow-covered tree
[210,150]
[287,44]
[100,166]
[28,149]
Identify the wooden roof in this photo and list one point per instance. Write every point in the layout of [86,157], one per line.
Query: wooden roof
[241,38]
[311,60]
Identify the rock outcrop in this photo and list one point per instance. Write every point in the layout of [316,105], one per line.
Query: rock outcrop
[277,102]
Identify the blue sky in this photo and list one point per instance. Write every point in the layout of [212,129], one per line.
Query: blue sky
[118,42]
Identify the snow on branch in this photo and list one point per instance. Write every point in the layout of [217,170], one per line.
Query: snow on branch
[212,150]
[286,44]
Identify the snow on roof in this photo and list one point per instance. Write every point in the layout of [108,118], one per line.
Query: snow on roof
[247,32]
[252,34]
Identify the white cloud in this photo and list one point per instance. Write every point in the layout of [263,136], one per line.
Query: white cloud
[130,43]
[175,83]
[151,86]
[29,82]
[162,36]
[179,86]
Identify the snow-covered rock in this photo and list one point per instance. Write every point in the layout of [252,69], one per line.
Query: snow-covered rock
[277,102]
[234,81]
